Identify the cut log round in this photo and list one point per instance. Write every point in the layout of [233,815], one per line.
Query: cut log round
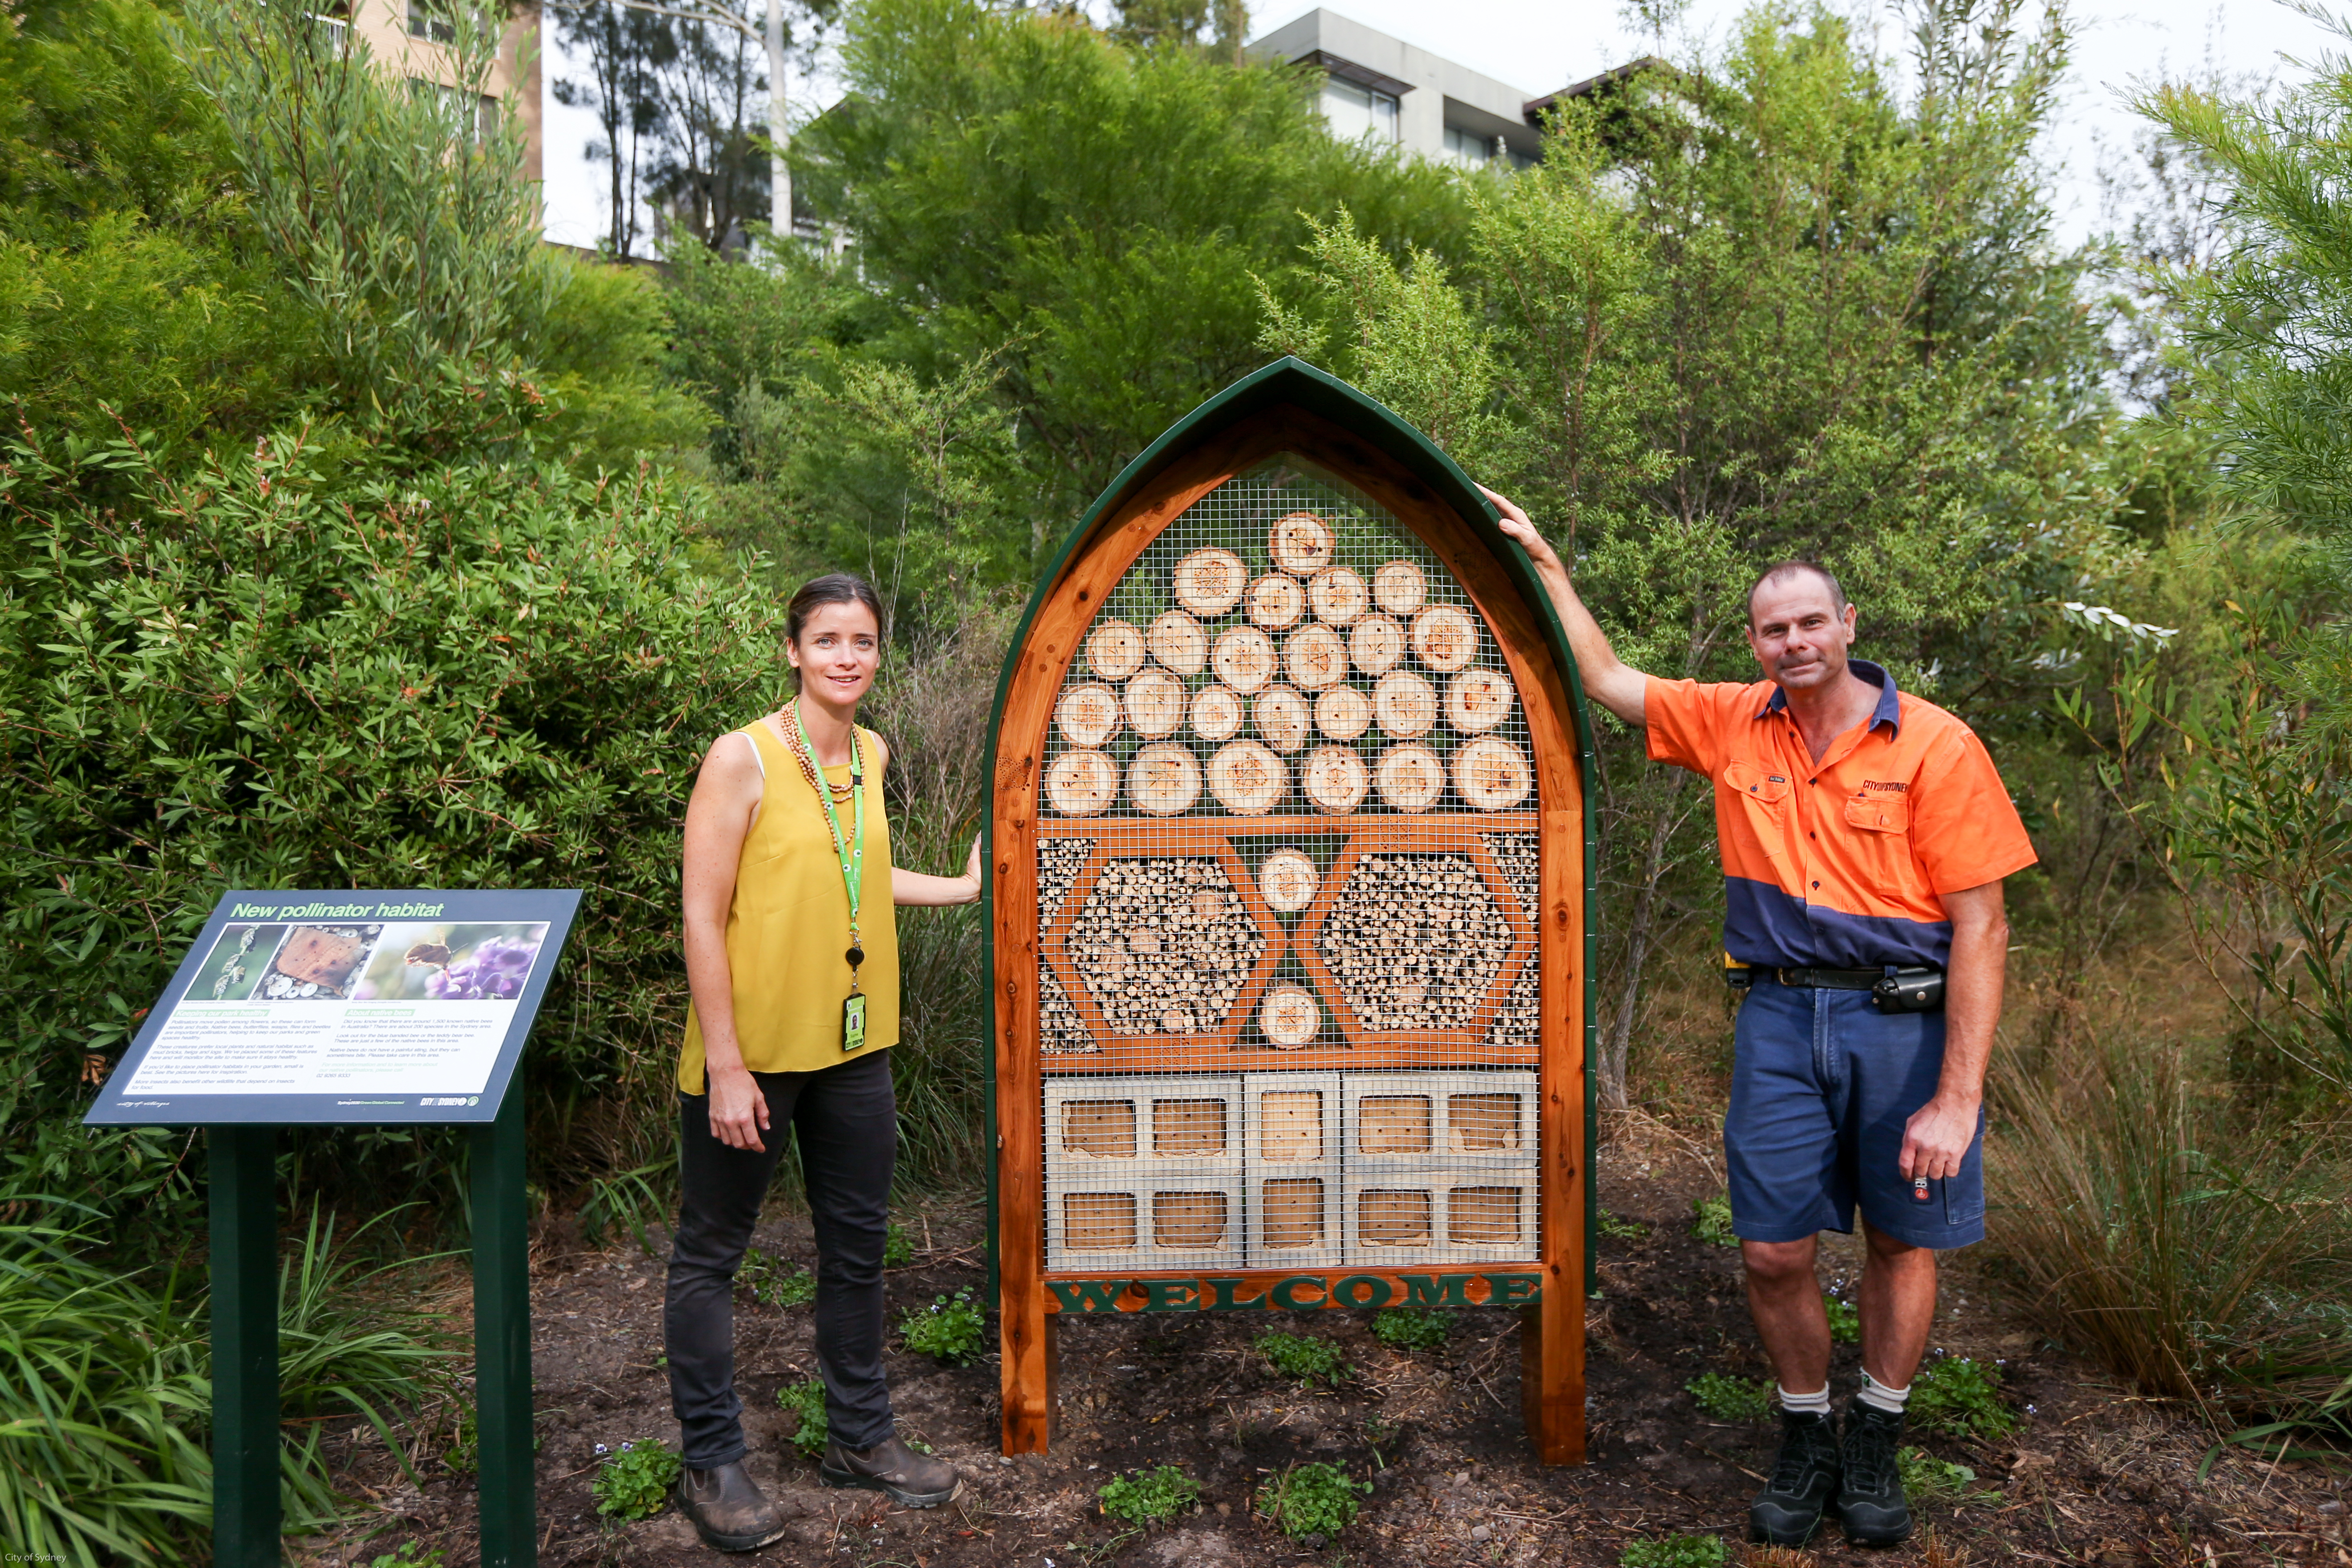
[1289,1016]
[1163,780]
[1177,641]
[1477,700]
[1242,658]
[1404,703]
[1301,544]
[1247,779]
[1315,657]
[1114,650]
[1334,780]
[1343,712]
[1492,774]
[1409,777]
[1210,582]
[1082,784]
[1216,713]
[1398,587]
[1088,715]
[1155,703]
[1288,880]
[1338,596]
[1376,643]
[1277,601]
[1280,715]
[1444,637]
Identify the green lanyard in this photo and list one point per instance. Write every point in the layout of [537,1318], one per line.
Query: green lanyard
[853,852]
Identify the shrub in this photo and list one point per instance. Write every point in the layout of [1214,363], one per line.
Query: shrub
[1311,1501]
[806,1400]
[1411,1328]
[1674,1551]
[1305,1357]
[635,1483]
[1732,1398]
[1149,1497]
[1712,1221]
[948,1329]
[1961,1396]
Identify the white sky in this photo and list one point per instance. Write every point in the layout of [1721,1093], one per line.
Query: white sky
[1541,45]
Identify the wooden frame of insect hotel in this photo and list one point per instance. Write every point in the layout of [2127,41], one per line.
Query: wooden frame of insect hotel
[1289,860]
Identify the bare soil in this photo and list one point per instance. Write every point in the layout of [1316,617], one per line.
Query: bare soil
[2095,1476]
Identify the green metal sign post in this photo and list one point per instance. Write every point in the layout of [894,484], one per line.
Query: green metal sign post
[245,1265]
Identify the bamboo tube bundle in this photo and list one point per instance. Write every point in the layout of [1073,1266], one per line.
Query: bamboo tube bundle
[1163,780]
[1515,856]
[1277,601]
[1179,642]
[1242,658]
[1164,945]
[1059,861]
[1216,713]
[1492,773]
[1405,705]
[1342,712]
[1247,779]
[1476,700]
[1115,649]
[1288,880]
[1289,1016]
[1082,784]
[1315,657]
[1519,1020]
[1338,596]
[1335,779]
[1375,644]
[1409,777]
[1060,1030]
[1279,714]
[1088,715]
[1209,583]
[1444,637]
[1415,942]
[1400,588]
[1301,544]
[1155,704]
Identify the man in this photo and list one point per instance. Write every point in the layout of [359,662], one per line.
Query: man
[1864,834]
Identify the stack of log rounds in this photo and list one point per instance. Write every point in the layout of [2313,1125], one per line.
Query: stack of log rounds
[1164,944]
[1155,704]
[1178,641]
[1279,715]
[1082,784]
[1289,1016]
[1301,544]
[1405,705]
[1277,601]
[1247,779]
[1409,777]
[1400,588]
[1288,880]
[1335,779]
[1114,650]
[1343,712]
[1216,713]
[1338,596]
[1209,583]
[1088,715]
[1444,637]
[1315,658]
[1375,644]
[1476,700]
[1242,658]
[1492,774]
[1163,780]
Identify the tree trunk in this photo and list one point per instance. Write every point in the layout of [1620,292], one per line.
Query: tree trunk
[1640,932]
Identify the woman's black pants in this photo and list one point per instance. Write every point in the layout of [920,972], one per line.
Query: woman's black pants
[847,1121]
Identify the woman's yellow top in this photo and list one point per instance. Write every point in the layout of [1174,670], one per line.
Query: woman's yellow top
[788,927]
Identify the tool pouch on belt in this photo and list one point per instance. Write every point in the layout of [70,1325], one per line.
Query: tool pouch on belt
[1915,989]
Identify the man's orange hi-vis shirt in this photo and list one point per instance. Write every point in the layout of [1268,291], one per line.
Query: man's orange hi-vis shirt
[1840,864]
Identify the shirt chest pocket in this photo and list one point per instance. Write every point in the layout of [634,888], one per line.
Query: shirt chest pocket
[1761,787]
[1879,813]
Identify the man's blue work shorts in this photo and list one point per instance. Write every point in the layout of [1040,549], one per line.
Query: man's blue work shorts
[1822,1084]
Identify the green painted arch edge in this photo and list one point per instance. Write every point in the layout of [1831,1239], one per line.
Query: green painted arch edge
[1292,380]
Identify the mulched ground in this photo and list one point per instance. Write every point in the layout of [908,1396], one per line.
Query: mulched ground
[2094,1475]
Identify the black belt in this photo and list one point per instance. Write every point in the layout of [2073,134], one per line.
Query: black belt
[1912,988]
[1828,979]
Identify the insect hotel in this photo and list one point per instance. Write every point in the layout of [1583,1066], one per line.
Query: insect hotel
[1289,867]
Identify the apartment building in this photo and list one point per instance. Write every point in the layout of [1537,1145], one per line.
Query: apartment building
[410,38]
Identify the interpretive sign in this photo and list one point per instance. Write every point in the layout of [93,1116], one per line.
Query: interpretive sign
[348,1007]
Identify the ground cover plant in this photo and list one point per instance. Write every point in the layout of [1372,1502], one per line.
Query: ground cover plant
[1308,1358]
[1674,1551]
[1149,1497]
[634,1481]
[948,1330]
[804,1402]
[1312,1502]
[1732,1398]
[1411,1328]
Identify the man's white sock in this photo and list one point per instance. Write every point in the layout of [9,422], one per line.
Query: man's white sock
[1814,1404]
[1878,1396]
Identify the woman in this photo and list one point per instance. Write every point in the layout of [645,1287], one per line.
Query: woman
[791,954]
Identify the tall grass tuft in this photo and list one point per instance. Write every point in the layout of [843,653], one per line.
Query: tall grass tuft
[2203,1259]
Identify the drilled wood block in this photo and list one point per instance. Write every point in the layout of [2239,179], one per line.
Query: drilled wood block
[1400,1216]
[1096,1127]
[1426,1119]
[1175,1219]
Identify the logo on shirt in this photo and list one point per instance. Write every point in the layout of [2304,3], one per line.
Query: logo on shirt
[1893,786]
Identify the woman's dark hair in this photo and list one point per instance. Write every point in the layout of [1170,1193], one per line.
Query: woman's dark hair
[833,588]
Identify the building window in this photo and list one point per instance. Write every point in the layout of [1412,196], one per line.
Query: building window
[432,19]
[452,103]
[1468,148]
[1355,111]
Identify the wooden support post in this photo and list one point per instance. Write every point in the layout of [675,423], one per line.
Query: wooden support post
[245,1346]
[502,1414]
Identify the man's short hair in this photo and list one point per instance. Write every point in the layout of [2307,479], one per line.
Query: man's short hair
[1790,568]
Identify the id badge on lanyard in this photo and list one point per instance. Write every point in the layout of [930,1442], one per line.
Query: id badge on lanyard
[851,852]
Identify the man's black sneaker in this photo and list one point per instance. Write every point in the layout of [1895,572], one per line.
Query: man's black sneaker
[1870,1499]
[1804,1478]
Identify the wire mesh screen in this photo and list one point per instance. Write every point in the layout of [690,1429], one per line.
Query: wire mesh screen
[1289,841]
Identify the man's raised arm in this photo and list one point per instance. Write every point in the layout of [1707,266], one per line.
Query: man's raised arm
[1616,686]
